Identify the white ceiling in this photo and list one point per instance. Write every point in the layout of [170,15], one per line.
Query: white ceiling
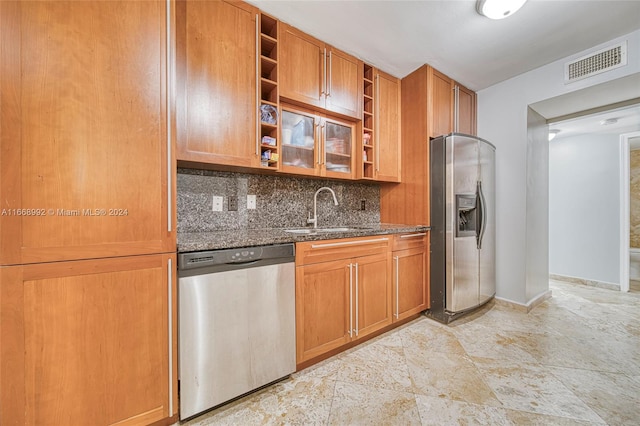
[627,121]
[399,36]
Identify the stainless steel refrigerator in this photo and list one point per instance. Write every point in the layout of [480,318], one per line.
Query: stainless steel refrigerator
[462,203]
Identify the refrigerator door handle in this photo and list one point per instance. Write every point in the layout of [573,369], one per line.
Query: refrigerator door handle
[478,209]
[483,215]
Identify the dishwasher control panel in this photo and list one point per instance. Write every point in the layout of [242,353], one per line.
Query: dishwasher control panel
[235,257]
[245,255]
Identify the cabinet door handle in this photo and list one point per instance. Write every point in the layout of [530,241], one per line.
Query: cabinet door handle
[376,123]
[350,300]
[316,139]
[169,86]
[421,234]
[170,330]
[330,80]
[323,135]
[356,330]
[456,101]
[349,243]
[397,259]
[324,72]
[258,114]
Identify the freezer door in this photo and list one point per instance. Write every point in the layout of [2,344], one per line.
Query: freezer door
[488,242]
[462,252]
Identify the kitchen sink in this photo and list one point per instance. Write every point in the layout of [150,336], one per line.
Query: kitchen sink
[324,230]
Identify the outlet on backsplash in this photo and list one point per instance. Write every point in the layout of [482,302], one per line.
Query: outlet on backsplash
[251,202]
[233,203]
[363,204]
[216,204]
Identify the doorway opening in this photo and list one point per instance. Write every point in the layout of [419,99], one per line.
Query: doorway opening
[631,176]
[589,196]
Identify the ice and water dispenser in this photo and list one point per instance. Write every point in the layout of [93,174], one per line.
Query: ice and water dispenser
[467,212]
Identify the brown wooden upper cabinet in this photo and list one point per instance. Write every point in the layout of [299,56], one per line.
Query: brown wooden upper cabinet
[441,107]
[316,74]
[86,146]
[381,148]
[317,145]
[454,106]
[217,80]
[464,112]
[388,128]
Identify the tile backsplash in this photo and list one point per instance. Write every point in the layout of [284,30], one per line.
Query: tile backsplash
[281,201]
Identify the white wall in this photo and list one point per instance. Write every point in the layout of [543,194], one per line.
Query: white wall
[536,260]
[502,119]
[584,207]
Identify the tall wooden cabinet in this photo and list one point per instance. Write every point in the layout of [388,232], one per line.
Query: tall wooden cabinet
[217,73]
[417,93]
[87,342]
[430,102]
[316,74]
[84,131]
[87,224]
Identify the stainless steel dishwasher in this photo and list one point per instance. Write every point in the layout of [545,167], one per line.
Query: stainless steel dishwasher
[236,323]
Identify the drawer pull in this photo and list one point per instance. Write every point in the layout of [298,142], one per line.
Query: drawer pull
[348,243]
[357,297]
[397,260]
[351,300]
[422,234]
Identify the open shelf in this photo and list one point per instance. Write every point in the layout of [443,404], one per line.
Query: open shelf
[269,154]
[269,69]
[368,123]
[268,26]
[298,147]
[338,154]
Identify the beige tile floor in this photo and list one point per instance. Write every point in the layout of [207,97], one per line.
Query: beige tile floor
[573,360]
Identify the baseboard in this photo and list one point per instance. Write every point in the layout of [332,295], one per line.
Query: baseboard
[525,308]
[634,264]
[592,283]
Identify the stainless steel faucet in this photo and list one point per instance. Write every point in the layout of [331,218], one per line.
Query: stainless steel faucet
[314,219]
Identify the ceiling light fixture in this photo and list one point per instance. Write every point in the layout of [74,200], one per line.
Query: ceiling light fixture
[553,134]
[609,121]
[498,9]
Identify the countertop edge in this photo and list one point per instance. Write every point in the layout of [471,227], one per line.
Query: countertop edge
[237,238]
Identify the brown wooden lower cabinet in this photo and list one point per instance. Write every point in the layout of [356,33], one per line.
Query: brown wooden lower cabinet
[323,316]
[410,274]
[89,342]
[343,292]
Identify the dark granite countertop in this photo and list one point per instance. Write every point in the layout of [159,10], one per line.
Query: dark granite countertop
[197,241]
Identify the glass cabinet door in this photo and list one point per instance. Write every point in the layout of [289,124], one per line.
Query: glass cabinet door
[338,152]
[298,140]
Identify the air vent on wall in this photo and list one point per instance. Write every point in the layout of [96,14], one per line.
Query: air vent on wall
[595,63]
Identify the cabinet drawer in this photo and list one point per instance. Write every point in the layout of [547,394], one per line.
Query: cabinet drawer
[322,251]
[410,240]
